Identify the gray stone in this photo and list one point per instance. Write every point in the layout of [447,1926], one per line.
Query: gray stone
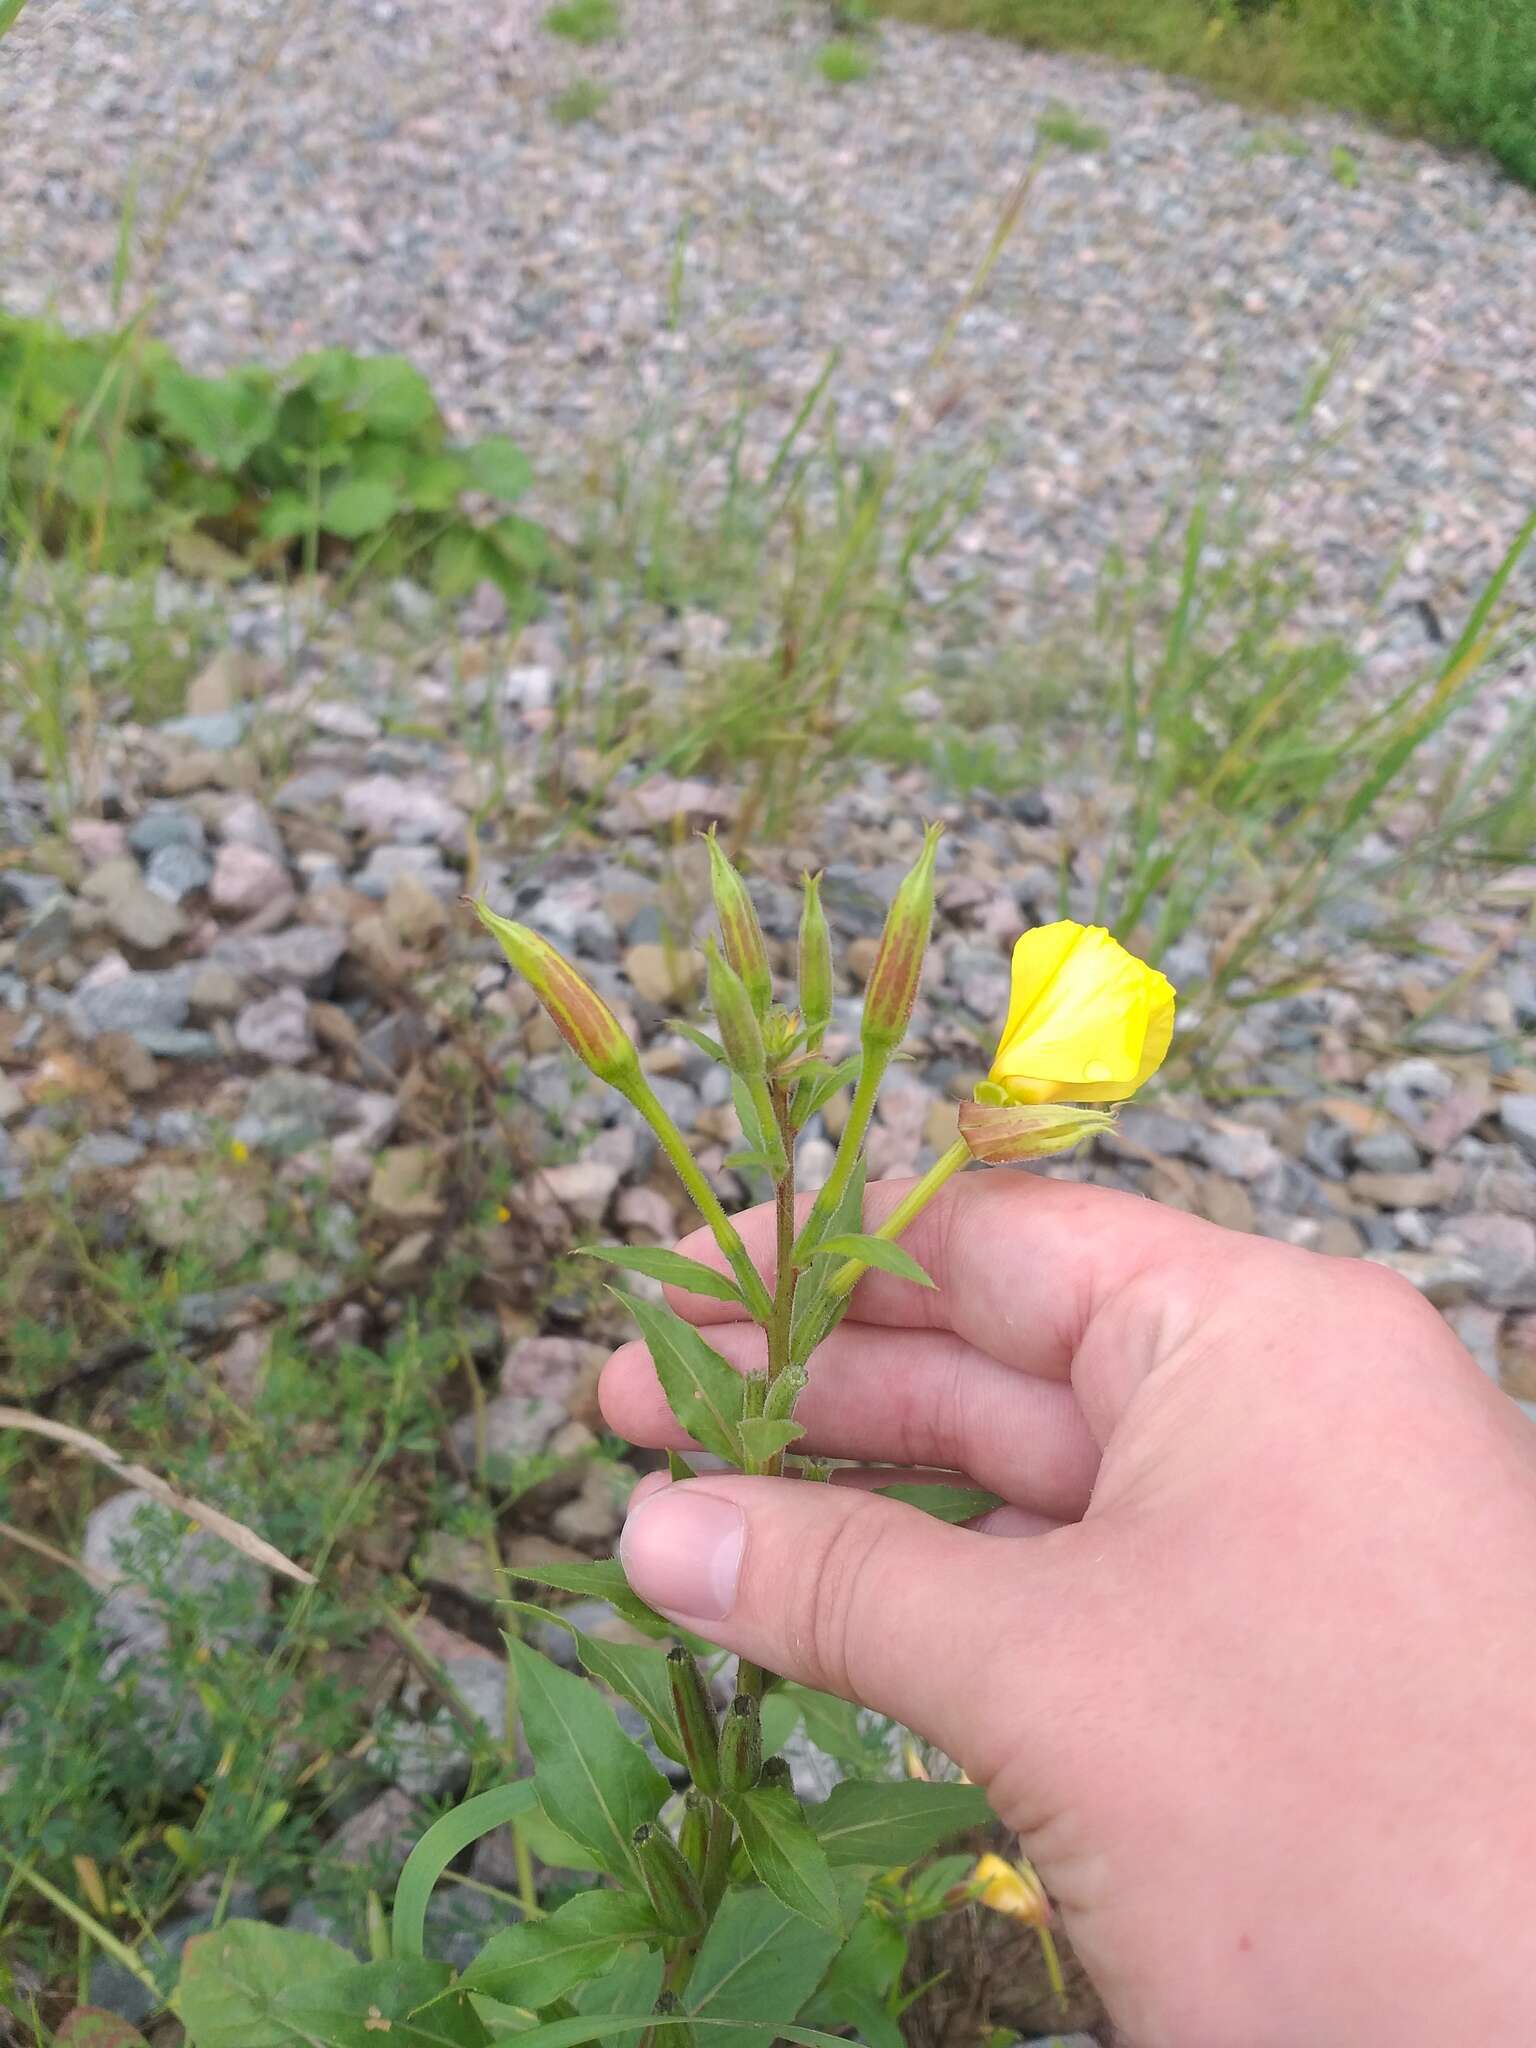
[379,1836]
[1503,1250]
[153,1556]
[115,1989]
[517,1427]
[245,822]
[1391,1151]
[286,1111]
[1325,1147]
[46,936]
[1240,1151]
[277,1030]
[246,879]
[1156,1130]
[176,871]
[133,910]
[214,991]
[31,892]
[412,813]
[1517,1119]
[306,953]
[186,1207]
[112,997]
[165,825]
[386,864]
[101,1151]
[1440,1277]
[214,732]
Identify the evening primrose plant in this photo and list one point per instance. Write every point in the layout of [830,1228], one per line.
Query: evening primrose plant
[710,1905]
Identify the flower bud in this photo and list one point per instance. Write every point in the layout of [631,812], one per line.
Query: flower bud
[741,1745]
[576,1009]
[899,964]
[776,1775]
[1012,1888]
[997,1135]
[697,1721]
[740,932]
[816,984]
[740,1033]
[693,1835]
[672,1887]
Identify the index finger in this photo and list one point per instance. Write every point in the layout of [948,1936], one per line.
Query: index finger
[1020,1264]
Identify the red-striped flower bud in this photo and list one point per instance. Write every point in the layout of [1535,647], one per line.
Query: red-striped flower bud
[740,932]
[899,964]
[997,1135]
[576,1009]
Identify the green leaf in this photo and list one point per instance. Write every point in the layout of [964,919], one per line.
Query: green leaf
[634,1673]
[707,1395]
[785,1854]
[819,1082]
[890,1825]
[433,483]
[626,2027]
[863,1973]
[459,561]
[520,544]
[875,1251]
[286,515]
[944,1503]
[603,1580]
[758,1963]
[554,1847]
[234,1979]
[390,394]
[671,1268]
[403,2000]
[358,507]
[541,1960]
[591,1779]
[818,1313]
[711,1046]
[631,1986]
[841,1729]
[761,1438]
[225,419]
[499,467]
[445,1839]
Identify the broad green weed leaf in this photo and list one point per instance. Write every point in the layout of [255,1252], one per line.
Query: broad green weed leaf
[876,1251]
[707,1396]
[358,507]
[635,1673]
[892,1824]
[404,2001]
[671,1268]
[758,1963]
[629,1987]
[591,1779]
[234,1979]
[499,467]
[944,1503]
[785,1853]
[541,1960]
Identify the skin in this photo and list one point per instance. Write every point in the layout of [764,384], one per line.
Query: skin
[1249,1662]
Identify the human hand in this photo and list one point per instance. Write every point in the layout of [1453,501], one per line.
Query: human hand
[1247,1659]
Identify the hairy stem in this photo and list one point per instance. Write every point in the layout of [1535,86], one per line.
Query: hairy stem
[703,1196]
[849,1148]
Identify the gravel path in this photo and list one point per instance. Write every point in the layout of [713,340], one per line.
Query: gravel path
[392,178]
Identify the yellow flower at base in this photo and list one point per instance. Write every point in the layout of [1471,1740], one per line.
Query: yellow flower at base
[1087,1021]
[1011,1888]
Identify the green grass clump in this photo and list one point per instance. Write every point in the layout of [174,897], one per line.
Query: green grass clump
[584,21]
[844,61]
[1067,130]
[1458,71]
[582,100]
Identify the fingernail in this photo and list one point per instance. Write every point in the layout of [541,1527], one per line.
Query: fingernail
[681,1551]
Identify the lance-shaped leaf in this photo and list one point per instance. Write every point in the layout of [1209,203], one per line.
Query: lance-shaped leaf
[410,2002]
[669,1267]
[785,1853]
[707,1395]
[602,1580]
[876,1251]
[944,1503]
[759,1962]
[892,1823]
[539,1961]
[592,1781]
[762,1437]
[635,1673]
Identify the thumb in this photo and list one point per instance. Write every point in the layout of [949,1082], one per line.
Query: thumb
[846,1592]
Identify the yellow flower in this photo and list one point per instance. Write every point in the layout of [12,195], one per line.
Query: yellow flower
[1087,1021]
[1011,1888]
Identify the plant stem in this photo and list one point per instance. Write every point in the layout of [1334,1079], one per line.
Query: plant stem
[750,1678]
[849,1148]
[911,1205]
[705,1200]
